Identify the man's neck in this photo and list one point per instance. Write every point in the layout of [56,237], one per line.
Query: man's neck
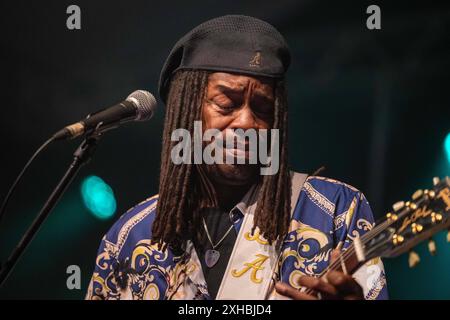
[228,195]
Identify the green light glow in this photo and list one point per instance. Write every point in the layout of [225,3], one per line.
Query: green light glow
[98,197]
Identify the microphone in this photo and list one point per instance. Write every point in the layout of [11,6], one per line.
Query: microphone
[138,106]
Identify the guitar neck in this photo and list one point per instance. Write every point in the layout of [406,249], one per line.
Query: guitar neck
[410,223]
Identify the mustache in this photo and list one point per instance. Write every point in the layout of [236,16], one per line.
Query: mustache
[239,139]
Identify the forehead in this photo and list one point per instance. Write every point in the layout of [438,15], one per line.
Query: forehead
[239,81]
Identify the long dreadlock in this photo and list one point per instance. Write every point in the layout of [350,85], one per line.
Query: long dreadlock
[182,187]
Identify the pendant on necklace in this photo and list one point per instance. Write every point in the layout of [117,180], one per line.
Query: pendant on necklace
[211,257]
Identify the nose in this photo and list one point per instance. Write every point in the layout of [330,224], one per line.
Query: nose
[245,119]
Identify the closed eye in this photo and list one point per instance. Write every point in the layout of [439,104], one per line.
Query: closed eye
[225,105]
[263,105]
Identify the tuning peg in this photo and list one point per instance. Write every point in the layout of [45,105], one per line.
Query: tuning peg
[391,216]
[416,195]
[411,205]
[398,206]
[436,217]
[416,228]
[397,239]
[429,193]
[432,246]
[435,181]
[413,259]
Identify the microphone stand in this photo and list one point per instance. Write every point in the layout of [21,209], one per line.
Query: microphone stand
[81,156]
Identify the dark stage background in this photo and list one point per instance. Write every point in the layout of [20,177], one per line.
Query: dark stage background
[371,106]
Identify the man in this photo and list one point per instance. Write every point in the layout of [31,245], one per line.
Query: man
[223,230]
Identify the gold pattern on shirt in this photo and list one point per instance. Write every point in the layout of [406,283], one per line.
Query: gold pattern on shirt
[255,237]
[255,265]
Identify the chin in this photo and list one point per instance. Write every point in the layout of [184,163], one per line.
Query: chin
[237,174]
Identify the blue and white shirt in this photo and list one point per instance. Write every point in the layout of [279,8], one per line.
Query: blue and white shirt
[328,214]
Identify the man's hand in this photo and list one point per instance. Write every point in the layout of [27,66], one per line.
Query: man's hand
[334,285]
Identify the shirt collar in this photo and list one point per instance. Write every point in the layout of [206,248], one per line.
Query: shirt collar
[240,209]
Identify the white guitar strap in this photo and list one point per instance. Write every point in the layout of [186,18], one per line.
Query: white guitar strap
[253,261]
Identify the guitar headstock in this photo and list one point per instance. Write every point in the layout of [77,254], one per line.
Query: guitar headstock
[412,222]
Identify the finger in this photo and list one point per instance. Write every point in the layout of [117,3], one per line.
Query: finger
[326,289]
[344,284]
[335,255]
[288,291]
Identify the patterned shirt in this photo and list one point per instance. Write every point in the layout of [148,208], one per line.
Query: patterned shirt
[328,214]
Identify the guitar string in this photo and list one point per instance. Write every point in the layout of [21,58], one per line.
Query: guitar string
[347,254]
[370,235]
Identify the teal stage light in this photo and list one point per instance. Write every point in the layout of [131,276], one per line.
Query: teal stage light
[447,147]
[98,197]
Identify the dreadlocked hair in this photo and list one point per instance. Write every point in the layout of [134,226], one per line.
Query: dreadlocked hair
[273,209]
[183,188]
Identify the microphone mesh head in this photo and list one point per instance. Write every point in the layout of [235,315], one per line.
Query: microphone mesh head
[145,103]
